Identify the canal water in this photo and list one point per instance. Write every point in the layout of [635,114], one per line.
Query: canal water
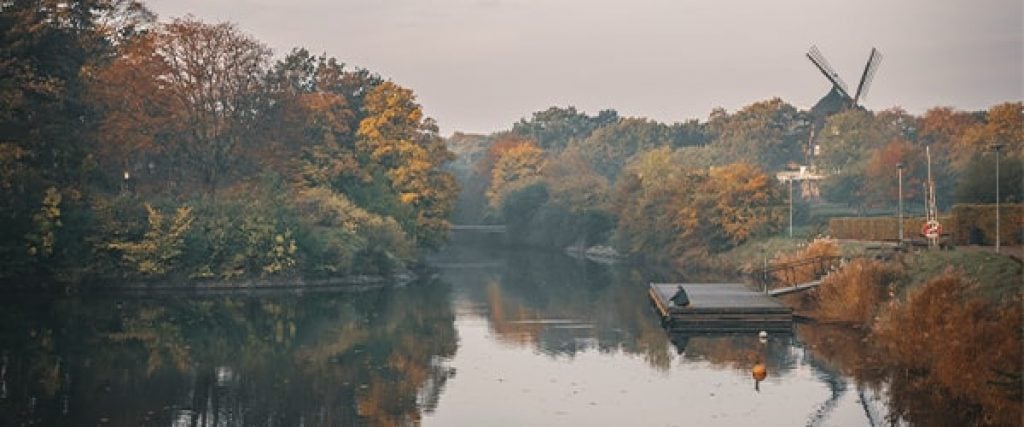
[494,338]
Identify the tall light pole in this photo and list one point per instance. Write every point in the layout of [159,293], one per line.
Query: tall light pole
[899,167]
[996,148]
[791,207]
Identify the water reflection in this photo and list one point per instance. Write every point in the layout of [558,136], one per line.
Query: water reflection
[377,357]
[497,338]
[555,313]
[558,314]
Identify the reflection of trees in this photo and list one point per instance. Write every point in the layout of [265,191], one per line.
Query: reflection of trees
[376,357]
[561,307]
[837,351]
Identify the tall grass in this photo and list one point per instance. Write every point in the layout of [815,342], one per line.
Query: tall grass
[856,292]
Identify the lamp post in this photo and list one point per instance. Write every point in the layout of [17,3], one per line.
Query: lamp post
[996,148]
[899,168]
[790,207]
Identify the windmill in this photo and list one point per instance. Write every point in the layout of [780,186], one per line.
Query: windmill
[839,99]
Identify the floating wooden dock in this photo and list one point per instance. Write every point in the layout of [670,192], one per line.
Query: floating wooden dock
[719,307]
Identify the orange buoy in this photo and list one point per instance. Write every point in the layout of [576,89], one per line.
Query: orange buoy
[759,372]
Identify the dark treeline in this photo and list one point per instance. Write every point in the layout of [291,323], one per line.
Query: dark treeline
[130,147]
[668,192]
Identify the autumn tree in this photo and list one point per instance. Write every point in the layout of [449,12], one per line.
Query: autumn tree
[216,73]
[516,167]
[690,133]
[972,159]
[484,166]
[880,186]
[977,184]
[848,137]
[312,132]
[903,124]
[747,203]
[197,90]
[608,148]
[1003,125]
[674,213]
[46,122]
[942,126]
[768,133]
[409,154]
[658,208]
[574,183]
[141,118]
[942,129]
[553,129]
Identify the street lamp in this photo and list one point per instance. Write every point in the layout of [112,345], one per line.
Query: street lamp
[790,207]
[899,167]
[996,148]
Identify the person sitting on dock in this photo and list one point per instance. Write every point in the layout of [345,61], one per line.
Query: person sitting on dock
[680,299]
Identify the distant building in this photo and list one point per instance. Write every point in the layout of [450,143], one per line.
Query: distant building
[806,181]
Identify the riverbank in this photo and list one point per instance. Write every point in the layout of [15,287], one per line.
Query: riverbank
[944,321]
[113,285]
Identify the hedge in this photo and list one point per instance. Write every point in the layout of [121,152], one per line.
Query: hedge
[976,224]
[880,228]
[966,224]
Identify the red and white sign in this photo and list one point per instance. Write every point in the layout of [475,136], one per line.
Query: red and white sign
[932,229]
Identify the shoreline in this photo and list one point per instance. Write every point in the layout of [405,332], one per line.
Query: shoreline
[354,283]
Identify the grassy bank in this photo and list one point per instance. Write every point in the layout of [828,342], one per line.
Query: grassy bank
[945,321]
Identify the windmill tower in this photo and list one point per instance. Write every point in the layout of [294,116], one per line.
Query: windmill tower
[839,99]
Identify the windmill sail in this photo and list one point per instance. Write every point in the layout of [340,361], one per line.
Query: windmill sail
[830,73]
[874,59]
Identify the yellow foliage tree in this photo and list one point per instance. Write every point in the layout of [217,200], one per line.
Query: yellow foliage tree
[405,146]
[518,166]
[43,239]
[160,246]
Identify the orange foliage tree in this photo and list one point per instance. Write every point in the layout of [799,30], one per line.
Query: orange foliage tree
[746,201]
[880,186]
[675,213]
[1004,124]
[194,90]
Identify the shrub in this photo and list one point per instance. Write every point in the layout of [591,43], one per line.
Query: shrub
[856,292]
[233,236]
[968,345]
[345,238]
[160,246]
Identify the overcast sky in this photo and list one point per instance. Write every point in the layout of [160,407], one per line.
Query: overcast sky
[480,65]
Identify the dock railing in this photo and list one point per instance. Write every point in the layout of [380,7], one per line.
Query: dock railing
[795,273]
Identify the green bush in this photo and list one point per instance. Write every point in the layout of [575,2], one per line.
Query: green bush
[251,235]
[340,237]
